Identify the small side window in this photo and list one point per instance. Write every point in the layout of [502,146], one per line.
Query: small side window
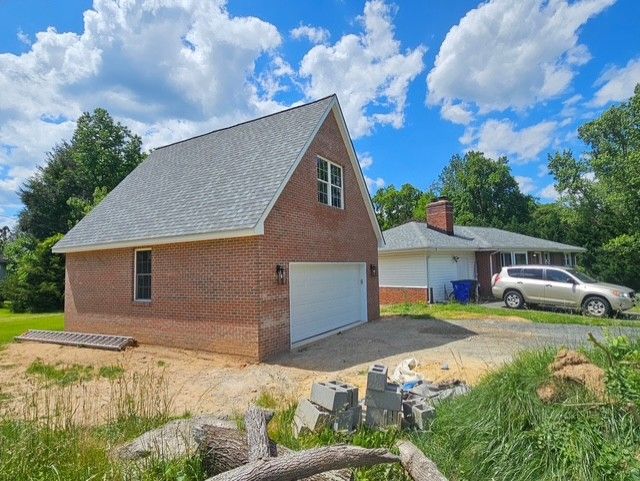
[142,288]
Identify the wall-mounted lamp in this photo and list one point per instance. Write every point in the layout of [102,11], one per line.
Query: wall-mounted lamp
[280,274]
[455,258]
[373,270]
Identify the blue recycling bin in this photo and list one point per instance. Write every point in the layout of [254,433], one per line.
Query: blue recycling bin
[463,290]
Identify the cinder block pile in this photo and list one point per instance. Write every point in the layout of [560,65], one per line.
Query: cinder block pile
[332,404]
[383,399]
[388,406]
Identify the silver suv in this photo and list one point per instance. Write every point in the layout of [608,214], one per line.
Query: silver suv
[559,286]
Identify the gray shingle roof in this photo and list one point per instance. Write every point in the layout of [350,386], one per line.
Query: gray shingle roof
[417,235]
[214,183]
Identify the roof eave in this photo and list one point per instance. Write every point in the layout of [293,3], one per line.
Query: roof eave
[62,249]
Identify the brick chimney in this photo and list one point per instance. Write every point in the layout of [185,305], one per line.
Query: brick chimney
[440,216]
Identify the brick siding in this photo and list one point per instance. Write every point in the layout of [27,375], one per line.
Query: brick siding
[222,295]
[400,295]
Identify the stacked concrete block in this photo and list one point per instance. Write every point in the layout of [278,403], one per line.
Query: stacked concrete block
[417,412]
[383,399]
[332,404]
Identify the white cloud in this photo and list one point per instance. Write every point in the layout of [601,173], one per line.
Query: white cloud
[499,137]
[366,161]
[617,84]
[456,113]
[23,37]
[505,54]
[167,69]
[313,34]
[368,71]
[549,193]
[526,184]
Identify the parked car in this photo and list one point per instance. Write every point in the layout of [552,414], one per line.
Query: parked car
[559,286]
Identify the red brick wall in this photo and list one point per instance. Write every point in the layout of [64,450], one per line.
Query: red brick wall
[204,295]
[300,229]
[222,295]
[400,295]
[440,216]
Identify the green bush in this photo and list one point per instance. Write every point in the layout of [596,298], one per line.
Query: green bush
[35,281]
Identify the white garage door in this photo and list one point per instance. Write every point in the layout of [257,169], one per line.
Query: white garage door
[325,297]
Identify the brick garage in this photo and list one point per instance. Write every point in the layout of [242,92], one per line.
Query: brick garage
[222,294]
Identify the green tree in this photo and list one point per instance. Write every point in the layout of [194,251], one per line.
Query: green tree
[36,279]
[602,190]
[397,206]
[100,154]
[484,192]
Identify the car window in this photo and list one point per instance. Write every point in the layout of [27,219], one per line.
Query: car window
[515,272]
[582,276]
[532,273]
[558,276]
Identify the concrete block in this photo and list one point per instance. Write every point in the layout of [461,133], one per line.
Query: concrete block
[352,392]
[377,378]
[331,396]
[383,418]
[390,398]
[417,412]
[348,420]
[309,416]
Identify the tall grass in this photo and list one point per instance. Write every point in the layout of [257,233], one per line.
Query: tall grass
[502,431]
[49,436]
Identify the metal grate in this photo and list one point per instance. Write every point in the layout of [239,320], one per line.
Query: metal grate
[79,339]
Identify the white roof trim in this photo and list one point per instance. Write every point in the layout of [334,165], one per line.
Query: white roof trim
[334,106]
[160,240]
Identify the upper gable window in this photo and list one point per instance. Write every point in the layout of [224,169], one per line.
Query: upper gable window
[330,183]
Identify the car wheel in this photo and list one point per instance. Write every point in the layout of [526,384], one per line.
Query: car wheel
[513,300]
[596,306]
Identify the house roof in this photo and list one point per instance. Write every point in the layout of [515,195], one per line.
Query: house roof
[417,235]
[220,184]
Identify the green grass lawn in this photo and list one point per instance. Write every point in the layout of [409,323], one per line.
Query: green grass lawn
[475,311]
[12,324]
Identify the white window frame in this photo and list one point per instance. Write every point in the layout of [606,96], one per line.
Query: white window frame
[571,257]
[135,274]
[526,257]
[512,255]
[329,184]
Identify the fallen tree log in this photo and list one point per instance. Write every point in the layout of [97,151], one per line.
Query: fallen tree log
[303,464]
[419,467]
[224,449]
[255,422]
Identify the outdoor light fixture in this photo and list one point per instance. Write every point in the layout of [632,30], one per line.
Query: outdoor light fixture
[455,258]
[373,270]
[280,274]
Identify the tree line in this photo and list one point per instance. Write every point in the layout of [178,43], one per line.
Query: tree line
[598,208]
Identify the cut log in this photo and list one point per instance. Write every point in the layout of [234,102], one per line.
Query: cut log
[303,464]
[226,449]
[419,467]
[255,421]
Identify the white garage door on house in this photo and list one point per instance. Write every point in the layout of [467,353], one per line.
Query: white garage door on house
[325,297]
[442,269]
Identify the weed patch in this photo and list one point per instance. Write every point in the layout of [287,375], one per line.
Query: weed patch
[61,375]
[111,372]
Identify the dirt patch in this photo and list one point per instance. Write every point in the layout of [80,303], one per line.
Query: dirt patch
[575,367]
[548,393]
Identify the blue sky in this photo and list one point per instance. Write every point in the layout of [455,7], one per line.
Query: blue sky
[418,81]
